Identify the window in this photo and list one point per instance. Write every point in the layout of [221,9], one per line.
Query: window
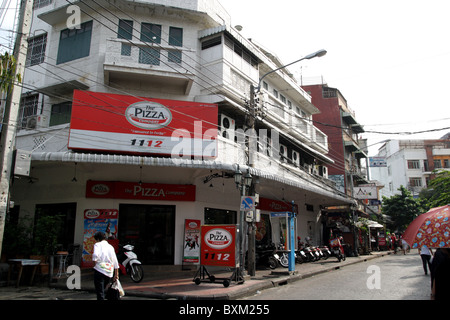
[437,164]
[28,108]
[150,33]
[211,42]
[275,93]
[265,85]
[425,165]
[415,182]
[220,216]
[61,113]
[413,164]
[125,32]
[41,3]
[175,39]
[36,50]
[446,163]
[74,43]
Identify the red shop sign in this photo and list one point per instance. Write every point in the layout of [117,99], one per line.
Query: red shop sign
[139,191]
[218,245]
[140,125]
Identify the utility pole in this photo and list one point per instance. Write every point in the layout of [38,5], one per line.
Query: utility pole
[251,190]
[10,121]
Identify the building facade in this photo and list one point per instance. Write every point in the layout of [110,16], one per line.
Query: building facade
[142,110]
[410,163]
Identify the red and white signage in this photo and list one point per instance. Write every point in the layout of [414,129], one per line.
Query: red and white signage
[218,245]
[138,125]
[139,191]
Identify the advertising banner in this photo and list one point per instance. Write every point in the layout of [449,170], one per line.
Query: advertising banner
[105,220]
[366,192]
[218,245]
[138,125]
[191,250]
[139,191]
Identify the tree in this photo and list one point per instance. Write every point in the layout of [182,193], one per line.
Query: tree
[8,73]
[402,208]
[438,192]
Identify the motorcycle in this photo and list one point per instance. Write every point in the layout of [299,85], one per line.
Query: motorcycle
[282,257]
[304,253]
[265,255]
[129,264]
[316,250]
[337,249]
[325,251]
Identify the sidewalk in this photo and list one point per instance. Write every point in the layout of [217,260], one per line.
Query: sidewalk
[180,285]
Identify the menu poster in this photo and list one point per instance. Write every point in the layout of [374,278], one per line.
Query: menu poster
[105,220]
[191,249]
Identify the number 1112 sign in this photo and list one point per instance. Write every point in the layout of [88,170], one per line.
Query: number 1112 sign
[218,245]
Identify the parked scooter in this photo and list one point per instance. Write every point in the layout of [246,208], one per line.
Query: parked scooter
[337,249]
[265,256]
[282,257]
[305,253]
[316,250]
[129,264]
[325,251]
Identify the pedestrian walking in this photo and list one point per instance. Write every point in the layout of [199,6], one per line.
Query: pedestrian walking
[394,242]
[405,246]
[440,275]
[106,265]
[425,254]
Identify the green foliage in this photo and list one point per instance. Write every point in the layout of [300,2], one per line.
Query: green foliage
[402,208]
[46,234]
[8,74]
[438,192]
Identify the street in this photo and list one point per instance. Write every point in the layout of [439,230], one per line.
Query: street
[393,277]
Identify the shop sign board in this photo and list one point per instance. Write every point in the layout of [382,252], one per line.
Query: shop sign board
[218,245]
[191,249]
[104,220]
[365,192]
[139,125]
[139,191]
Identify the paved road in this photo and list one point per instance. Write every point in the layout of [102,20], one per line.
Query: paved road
[393,277]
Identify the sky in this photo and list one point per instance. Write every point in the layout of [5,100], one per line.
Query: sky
[390,59]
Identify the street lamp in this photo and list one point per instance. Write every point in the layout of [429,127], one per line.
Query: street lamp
[319,53]
[251,125]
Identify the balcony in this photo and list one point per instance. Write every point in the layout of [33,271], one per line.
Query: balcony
[158,65]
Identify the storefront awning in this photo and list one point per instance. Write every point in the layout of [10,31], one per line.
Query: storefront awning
[68,156]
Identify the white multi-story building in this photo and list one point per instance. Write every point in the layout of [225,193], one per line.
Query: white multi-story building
[409,163]
[93,94]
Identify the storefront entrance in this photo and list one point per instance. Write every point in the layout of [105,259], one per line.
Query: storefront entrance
[151,229]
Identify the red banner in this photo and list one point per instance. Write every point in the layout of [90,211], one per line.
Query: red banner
[130,124]
[218,245]
[139,191]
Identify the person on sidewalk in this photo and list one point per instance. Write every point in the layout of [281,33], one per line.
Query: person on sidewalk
[440,275]
[106,264]
[425,254]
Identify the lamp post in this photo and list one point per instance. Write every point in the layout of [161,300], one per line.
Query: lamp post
[242,183]
[251,125]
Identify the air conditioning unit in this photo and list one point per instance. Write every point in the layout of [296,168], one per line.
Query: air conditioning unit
[296,158]
[283,153]
[36,122]
[323,171]
[227,127]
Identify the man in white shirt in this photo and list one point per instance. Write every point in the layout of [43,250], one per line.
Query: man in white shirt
[106,264]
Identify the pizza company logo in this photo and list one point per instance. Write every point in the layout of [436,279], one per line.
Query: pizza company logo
[100,189]
[92,214]
[218,238]
[148,115]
